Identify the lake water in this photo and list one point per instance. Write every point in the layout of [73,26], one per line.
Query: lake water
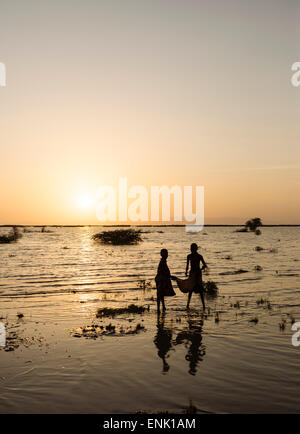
[237,357]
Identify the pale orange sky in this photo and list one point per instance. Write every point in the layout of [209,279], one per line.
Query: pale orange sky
[162,92]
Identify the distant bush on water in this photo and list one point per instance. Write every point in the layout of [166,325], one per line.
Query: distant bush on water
[119,237]
[11,237]
[252,225]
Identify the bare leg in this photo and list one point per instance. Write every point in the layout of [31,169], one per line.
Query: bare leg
[189,299]
[158,303]
[202,299]
[163,303]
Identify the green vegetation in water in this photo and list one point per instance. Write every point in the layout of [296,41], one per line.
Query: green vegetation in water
[210,287]
[111,312]
[11,237]
[119,237]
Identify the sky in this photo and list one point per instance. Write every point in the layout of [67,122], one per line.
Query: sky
[163,92]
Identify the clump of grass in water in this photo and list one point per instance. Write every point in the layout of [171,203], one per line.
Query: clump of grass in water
[119,237]
[11,237]
[282,325]
[261,301]
[132,308]
[210,287]
[258,248]
[191,409]
[143,284]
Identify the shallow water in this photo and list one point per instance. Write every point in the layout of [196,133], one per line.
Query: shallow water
[57,280]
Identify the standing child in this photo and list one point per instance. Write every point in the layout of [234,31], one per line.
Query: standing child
[163,281]
[194,260]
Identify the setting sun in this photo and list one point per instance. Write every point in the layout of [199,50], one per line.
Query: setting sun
[85,202]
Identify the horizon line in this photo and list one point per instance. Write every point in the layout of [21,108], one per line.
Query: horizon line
[141,225]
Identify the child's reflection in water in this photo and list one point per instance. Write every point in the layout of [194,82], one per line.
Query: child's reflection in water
[163,341]
[191,337]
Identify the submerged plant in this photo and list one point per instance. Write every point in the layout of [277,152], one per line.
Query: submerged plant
[119,237]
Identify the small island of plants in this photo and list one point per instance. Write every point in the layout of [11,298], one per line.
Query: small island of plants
[119,237]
